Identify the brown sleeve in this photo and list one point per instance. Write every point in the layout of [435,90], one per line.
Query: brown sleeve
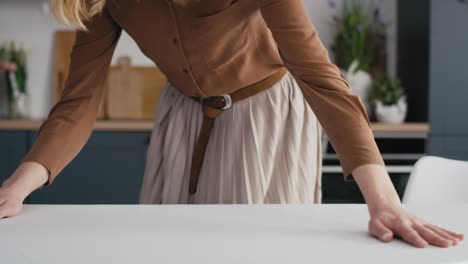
[71,120]
[341,114]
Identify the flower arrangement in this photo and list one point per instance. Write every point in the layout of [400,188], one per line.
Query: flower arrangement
[13,69]
[361,34]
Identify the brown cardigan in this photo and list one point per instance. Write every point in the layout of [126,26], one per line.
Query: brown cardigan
[209,48]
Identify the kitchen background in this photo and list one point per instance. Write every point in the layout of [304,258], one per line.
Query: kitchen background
[29,21]
[425,51]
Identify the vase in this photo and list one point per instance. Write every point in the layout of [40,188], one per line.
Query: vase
[360,83]
[395,113]
[16,97]
[3,96]
[17,106]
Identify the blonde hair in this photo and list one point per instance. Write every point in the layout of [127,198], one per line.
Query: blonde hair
[77,12]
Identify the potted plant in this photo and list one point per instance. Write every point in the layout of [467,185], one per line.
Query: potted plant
[14,78]
[359,45]
[389,100]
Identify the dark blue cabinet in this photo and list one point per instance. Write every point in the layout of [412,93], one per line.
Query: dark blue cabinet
[109,170]
[450,147]
[13,146]
[448,79]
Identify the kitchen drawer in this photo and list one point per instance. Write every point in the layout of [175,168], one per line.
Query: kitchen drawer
[13,146]
[336,190]
[109,170]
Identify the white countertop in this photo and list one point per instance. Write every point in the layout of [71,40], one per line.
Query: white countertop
[114,234]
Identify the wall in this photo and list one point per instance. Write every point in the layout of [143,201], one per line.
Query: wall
[25,21]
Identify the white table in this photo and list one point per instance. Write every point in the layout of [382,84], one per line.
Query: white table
[59,234]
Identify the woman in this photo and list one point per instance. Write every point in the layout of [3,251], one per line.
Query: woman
[238,119]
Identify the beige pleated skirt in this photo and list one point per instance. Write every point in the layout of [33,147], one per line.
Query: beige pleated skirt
[265,149]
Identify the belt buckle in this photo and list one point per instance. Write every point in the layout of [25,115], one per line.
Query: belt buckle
[226,99]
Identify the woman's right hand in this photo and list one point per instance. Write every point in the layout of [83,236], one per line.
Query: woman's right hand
[28,177]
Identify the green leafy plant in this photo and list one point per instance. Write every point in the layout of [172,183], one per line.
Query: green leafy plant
[16,54]
[386,90]
[360,31]
[13,69]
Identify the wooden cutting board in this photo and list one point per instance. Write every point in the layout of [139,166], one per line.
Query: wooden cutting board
[133,94]
[113,106]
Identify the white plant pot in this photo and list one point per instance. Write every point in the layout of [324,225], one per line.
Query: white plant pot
[395,113]
[360,83]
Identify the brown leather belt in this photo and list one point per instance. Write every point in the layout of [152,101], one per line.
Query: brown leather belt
[212,107]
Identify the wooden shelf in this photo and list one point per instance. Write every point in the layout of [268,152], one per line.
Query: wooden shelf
[147,125]
[103,125]
[405,130]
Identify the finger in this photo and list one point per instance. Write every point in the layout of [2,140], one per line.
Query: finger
[380,231]
[3,212]
[408,234]
[7,209]
[432,237]
[2,209]
[443,234]
[457,235]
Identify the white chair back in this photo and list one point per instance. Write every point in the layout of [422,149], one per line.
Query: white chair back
[436,180]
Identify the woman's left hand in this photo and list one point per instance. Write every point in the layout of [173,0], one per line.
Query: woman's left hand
[389,218]
[387,223]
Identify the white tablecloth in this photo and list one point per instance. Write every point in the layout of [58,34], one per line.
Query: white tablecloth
[66,234]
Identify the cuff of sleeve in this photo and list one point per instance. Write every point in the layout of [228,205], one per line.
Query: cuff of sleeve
[349,168]
[45,160]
